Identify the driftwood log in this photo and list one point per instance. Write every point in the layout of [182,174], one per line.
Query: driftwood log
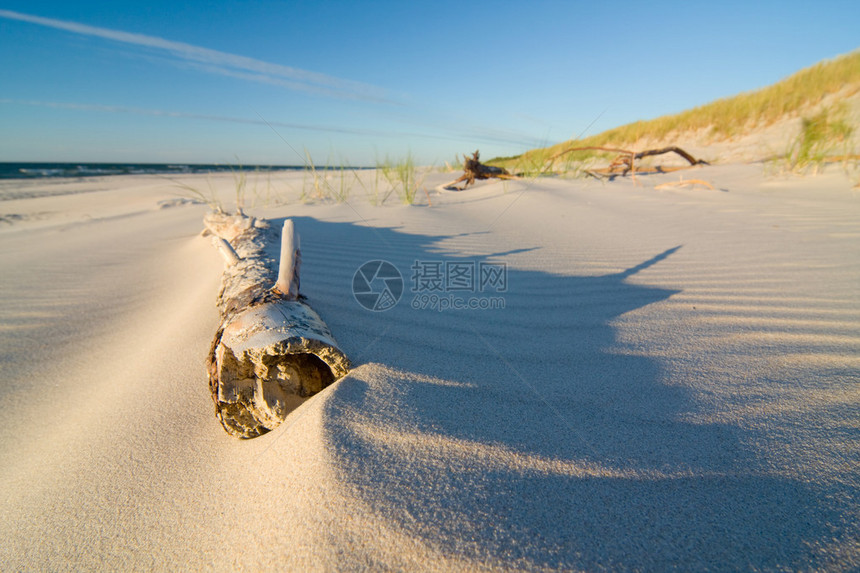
[625,162]
[271,351]
[473,169]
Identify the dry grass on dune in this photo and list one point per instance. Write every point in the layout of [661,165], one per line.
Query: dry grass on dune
[724,118]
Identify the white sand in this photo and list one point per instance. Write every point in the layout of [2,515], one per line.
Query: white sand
[674,382]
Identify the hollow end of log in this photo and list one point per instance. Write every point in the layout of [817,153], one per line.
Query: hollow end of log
[268,361]
[258,390]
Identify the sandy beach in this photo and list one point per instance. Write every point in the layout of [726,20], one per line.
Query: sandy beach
[673,381]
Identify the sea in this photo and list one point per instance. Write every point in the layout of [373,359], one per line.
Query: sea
[49,170]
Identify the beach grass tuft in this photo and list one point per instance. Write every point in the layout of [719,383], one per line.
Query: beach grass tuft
[240,185]
[402,176]
[822,137]
[210,198]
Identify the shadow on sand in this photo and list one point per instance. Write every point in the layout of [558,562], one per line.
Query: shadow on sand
[543,442]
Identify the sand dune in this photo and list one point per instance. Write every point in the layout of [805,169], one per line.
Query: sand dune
[672,383]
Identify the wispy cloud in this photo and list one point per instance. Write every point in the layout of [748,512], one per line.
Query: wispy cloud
[184,115]
[222,63]
[477,134]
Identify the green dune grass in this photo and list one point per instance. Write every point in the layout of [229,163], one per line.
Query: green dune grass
[723,118]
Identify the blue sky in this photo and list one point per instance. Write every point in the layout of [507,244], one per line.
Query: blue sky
[261,81]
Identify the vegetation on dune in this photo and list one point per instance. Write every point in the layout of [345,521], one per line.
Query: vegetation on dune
[729,116]
[334,182]
[720,119]
[821,136]
[403,176]
[198,196]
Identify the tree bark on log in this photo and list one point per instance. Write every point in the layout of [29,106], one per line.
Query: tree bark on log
[473,169]
[271,351]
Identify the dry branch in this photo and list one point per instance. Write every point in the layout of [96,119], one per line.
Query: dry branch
[288,268]
[473,169]
[226,250]
[671,149]
[271,350]
[626,160]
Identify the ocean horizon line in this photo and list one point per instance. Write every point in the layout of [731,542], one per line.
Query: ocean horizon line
[59,169]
